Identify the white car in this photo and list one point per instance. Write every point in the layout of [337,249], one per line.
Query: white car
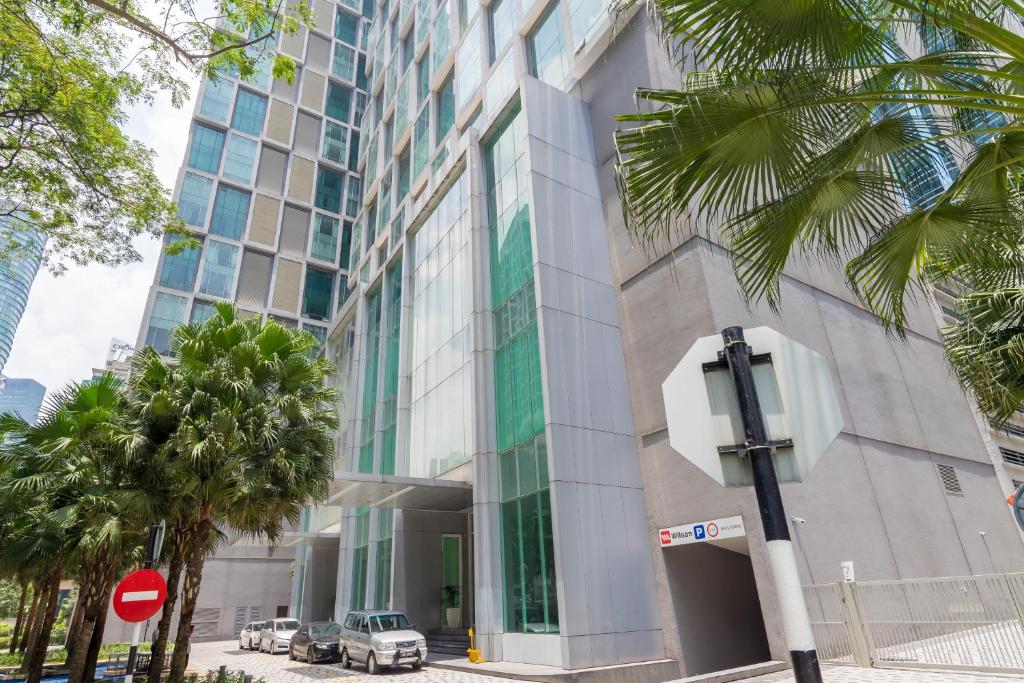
[276,635]
[249,638]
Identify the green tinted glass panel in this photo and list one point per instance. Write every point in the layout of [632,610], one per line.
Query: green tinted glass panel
[230,209]
[339,102]
[389,396]
[178,271]
[360,557]
[329,186]
[369,403]
[316,296]
[528,566]
[250,109]
[207,144]
[346,28]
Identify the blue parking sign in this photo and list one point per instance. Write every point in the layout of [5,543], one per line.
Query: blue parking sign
[698,531]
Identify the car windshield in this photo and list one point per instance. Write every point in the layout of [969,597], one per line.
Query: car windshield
[289,625]
[389,622]
[330,629]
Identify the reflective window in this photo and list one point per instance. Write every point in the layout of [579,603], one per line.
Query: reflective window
[346,244]
[217,99]
[423,78]
[404,171]
[230,209]
[530,599]
[353,150]
[335,146]
[445,108]
[346,28]
[329,186]
[316,296]
[168,313]
[343,64]
[339,102]
[325,238]
[584,15]
[441,399]
[354,196]
[440,40]
[421,141]
[547,49]
[240,158]
[218,269]
[204,154]
[504,21]
[194,198]
[469,65]
[250,109]
[178,271]
[201,312]
[320,333]
[360,560]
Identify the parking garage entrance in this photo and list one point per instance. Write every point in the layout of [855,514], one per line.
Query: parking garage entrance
[715,600]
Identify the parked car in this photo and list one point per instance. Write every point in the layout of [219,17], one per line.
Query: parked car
[277,634]
[380,639]
[316,642]
[249,638]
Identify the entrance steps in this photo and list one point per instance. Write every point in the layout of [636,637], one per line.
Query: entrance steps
[448,641]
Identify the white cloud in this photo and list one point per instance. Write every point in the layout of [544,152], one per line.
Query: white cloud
[70,319]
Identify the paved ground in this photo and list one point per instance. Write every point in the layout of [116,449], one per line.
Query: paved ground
[852,674]
[279,669]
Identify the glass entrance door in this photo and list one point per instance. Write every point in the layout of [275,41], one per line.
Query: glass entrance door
[451,580]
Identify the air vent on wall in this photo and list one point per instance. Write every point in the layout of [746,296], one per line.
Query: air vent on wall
[950,481]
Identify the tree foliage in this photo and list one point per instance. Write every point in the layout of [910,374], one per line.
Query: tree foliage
[70,70]
[819,128]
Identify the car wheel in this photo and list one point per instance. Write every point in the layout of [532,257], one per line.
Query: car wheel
[346,661]
[417,665]
[310,657]
[291,653]
[240,646]
[371,665]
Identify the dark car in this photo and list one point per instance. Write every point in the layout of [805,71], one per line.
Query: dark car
[316,642]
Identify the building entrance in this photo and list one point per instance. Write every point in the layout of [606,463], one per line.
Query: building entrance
[716,605]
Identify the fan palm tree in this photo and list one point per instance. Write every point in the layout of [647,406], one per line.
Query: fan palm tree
[249,421]
[99,497]
[815,127]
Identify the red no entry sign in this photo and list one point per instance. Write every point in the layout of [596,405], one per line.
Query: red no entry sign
[140,595]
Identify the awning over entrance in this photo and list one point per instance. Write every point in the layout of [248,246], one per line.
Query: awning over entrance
[352,489]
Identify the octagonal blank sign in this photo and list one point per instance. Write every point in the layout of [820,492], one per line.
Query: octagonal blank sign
[797,397]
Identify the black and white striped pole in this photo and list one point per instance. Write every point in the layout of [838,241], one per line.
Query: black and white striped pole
[795,621]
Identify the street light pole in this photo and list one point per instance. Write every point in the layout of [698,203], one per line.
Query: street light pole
[795,621]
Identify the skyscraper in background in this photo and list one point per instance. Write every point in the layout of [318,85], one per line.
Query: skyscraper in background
[17,273]
[268,186]
[22,397]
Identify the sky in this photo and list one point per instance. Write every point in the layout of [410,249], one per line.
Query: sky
[70,319]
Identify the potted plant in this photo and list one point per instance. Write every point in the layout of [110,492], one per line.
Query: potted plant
[452,611]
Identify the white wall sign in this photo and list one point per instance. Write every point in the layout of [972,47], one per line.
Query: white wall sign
[701,532]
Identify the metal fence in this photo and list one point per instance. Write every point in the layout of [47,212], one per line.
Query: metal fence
[971,623]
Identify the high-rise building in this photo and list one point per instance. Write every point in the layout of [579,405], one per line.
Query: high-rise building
[119,359]
[21,397]
[503,460]
[269,188]
[17,273]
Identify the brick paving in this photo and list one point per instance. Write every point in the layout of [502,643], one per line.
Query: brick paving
[279,669]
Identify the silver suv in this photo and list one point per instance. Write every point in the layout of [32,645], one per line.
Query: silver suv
[381,638]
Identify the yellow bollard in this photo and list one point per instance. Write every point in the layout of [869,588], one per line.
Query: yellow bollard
[472,652]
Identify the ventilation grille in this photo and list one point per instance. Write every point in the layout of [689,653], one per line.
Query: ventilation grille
[206,621]
[240,618]
[1013,457]
[950,482]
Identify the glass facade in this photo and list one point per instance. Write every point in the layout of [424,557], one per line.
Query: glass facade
[240,159]
[325,238]
[230,210]
[546,43]
[441,397]
[504,20]
[207,144]
[218,269]
[382,580]
[339,102]
[250,109]
[202,311]
[178,271]
[335,144]
[329,186]
[360,558]
[369,403]
[168,313]
[316,295]
[217,99]
[527,548]
[194,199]
[389,396]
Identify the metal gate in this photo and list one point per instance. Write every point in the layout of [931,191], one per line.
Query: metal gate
[973,623]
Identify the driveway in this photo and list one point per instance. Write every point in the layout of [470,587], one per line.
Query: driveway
[279,669]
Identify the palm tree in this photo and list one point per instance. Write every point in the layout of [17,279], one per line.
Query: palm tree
[813,126]
[246,419]
[98,498]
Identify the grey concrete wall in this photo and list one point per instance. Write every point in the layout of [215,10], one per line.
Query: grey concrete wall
[875,497]
[716,607]
[320,591]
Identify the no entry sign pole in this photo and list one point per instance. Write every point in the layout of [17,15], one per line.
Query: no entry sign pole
[131,594]
[795,621]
